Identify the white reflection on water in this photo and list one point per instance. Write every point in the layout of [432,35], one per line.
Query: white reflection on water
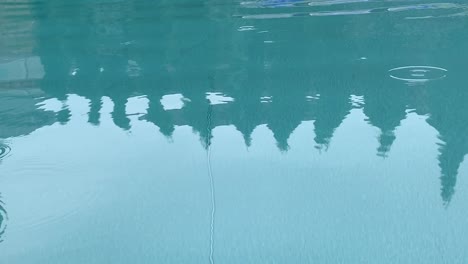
[173,101]
[417,74]
[218,98]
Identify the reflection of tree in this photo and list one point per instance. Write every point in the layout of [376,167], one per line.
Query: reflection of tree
[450,157]
[123,49]
[155,112]
[332,108]
[385,107]
[448,110]
[196,113]
[286,112]
[120,100]
[249,112]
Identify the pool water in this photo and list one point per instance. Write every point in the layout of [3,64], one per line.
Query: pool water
[263,131]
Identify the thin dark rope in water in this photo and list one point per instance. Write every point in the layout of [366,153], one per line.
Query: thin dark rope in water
[212,188]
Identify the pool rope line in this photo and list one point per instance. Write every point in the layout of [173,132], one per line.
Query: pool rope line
[210,174]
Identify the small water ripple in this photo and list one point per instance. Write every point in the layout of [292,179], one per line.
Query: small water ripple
[4,150]
[46,215]
[414,75]
[57,193]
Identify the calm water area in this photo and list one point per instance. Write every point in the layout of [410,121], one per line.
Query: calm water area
[222,131]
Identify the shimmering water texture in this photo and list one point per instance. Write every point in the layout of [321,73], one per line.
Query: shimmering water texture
[275,131]
[299,8]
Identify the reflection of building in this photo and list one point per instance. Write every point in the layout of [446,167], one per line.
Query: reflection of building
[29,68]
[19,113]
[17,39]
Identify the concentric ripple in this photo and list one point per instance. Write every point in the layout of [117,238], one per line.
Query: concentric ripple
[4,150]
[417,74]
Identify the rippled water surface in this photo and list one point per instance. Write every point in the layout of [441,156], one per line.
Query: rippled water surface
[268,131]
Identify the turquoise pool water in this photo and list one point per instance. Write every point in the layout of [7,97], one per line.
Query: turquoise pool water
[274,131]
